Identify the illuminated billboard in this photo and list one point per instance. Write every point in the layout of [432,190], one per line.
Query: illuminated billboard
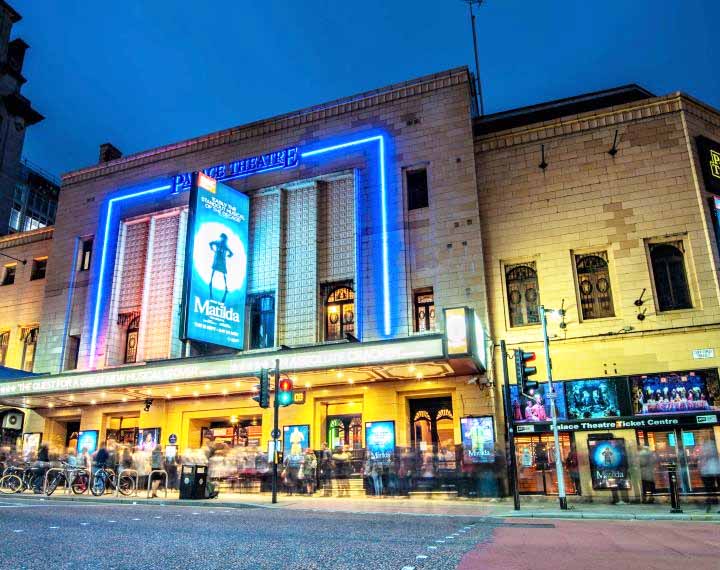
[216,264]
[380,440]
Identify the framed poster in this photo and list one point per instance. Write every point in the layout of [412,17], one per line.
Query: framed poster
[478,439]
[535,406]
[216,264]
[87,441]
[148,438]
[295,440]
[31,443]
[380,440]
[675,392]
[608,464]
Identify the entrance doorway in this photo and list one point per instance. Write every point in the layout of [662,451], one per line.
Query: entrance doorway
[344,430]
[535,455]
[679,446]
[432,425]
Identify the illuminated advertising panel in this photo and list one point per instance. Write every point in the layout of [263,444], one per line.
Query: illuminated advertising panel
[709,154]
[675,392]
[478,439]
[87,441]
[608,464]
[295,440]
[380,440]
[596,398]
[216,264]
[535,405]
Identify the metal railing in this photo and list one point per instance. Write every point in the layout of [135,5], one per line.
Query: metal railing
[162,474]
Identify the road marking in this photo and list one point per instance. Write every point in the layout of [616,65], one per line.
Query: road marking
[421,557]
[157,517]
[196,513]
[450,537]
[54,527]
[432,547]
[136,519]
[440,541]
[18,530]
[112,521]
[84,524]
[408,568]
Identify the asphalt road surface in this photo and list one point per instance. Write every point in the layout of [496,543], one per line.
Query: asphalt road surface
[52,535]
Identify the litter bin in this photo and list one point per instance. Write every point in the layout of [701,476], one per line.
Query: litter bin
[193,479]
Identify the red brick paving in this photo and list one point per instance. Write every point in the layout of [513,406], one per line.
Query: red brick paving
[599,545]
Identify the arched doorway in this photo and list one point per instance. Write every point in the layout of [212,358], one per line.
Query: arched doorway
[432,423]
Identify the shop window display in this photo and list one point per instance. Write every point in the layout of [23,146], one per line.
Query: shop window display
[672,393]
[535,406]
[596,398]
[535,457]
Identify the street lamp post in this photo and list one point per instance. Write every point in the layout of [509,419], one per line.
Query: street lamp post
[553,408]
[478,85]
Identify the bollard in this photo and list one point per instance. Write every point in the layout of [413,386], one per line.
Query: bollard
[674,488]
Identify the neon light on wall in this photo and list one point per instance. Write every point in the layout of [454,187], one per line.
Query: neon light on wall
[380,140]
[101,277]
[125,197]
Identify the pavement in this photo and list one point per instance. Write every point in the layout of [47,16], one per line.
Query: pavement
[531,507]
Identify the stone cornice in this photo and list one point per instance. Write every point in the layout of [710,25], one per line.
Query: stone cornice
[607,117]
[266,127]
[24,238]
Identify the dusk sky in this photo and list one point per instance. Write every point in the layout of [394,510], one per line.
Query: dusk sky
[145,74]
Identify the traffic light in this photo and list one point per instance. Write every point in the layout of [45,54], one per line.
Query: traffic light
[263,389]
[522,370]
[285,392]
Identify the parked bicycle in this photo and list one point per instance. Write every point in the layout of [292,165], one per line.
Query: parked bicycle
[76,477]
[105,478]
[16,479]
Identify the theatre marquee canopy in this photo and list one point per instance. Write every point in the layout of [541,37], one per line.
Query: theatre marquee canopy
[343,355]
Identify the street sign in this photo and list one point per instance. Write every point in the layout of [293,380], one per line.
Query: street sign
[703,353]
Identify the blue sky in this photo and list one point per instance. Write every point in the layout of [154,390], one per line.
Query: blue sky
[144,74]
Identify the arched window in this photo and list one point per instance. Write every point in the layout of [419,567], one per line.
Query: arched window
[671,285]
[339,313]
[262,321]
[131,341]
[522,294]
[594,285]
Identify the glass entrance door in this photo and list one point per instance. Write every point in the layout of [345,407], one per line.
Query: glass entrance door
[344,430]
[679,446]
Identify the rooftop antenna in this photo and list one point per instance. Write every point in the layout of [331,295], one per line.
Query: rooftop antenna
[479,94]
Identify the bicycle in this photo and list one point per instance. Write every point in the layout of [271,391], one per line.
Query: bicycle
[105,478]
[16,479]
[77,477]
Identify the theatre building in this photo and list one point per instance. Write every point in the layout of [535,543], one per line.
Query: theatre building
[342,241]
[603,209]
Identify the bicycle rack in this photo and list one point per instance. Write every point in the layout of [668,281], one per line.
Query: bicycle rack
[45,484]
[132,473]
[162,472]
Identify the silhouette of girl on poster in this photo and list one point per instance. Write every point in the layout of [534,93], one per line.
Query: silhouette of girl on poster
[222,252]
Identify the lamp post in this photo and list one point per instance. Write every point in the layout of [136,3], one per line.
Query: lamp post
[553,408]
[481,106]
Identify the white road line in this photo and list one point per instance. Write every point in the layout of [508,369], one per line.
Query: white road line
[440,541]
[18,530]
[53,527]
[136,519]
[84,524]
[408,568]
[432,547]
[112,521]
[421,557]
[157,517]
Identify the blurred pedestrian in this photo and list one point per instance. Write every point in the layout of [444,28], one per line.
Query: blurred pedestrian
[342,460]
[648,463]
[709,464]
[309,471]
[156,463]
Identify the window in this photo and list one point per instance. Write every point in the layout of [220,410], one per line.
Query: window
[15,219]
[339,313]
[671,284]
[38,268]
[424,310]
[86,254]
[73,353]
[4,342]
[594,285]
[29,338]
[417,188]
[521,283]
[9,274]
[262,321]
[131,341]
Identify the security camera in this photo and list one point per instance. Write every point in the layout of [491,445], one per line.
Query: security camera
[148,404]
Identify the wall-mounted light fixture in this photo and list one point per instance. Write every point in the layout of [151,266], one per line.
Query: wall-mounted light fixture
[613,149]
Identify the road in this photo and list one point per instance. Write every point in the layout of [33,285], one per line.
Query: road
[58,535]
[42,535]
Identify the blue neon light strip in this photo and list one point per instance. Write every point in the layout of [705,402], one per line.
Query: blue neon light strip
[103,258]
[380,139]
